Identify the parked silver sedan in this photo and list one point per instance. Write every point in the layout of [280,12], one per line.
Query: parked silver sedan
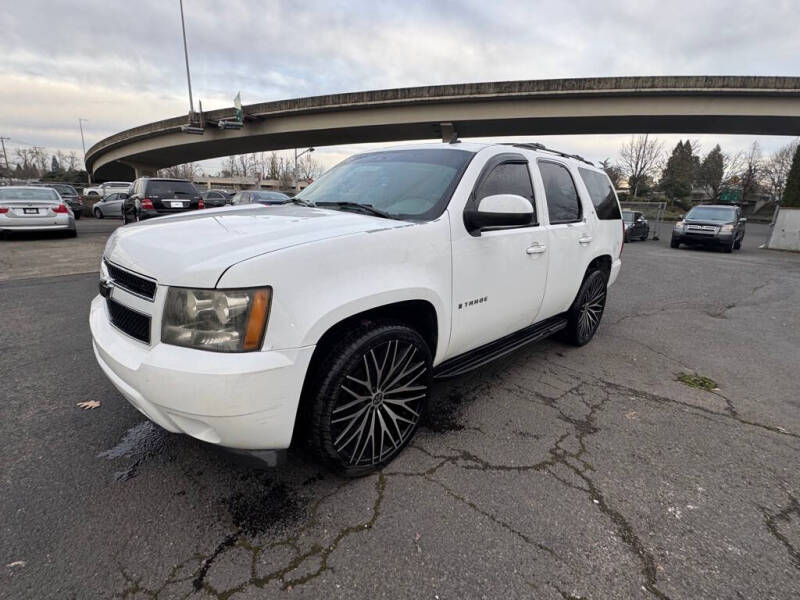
[110,206]
[34,209]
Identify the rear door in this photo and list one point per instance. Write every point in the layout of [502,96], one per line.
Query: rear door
[570,236]
[498,276]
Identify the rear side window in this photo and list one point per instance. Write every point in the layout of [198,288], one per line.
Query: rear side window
[563,203]
[169,188]
[508,178]
[602,194]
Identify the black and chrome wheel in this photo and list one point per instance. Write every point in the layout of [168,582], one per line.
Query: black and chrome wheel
[373,387]
[585,313]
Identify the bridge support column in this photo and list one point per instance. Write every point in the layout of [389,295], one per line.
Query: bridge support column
[140,170]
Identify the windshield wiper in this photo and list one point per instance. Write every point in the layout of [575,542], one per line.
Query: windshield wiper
[365,208]
[301,201]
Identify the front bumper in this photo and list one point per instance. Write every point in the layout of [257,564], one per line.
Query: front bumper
[246,401]
[723,239]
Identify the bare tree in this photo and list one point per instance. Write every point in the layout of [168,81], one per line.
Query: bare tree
[184,171]
[639,159]
[308,168]
[71,161]
[751,170]
[776,167]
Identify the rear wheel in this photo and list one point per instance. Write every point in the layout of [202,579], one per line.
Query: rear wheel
[98,214]
[372,388]
[585,313]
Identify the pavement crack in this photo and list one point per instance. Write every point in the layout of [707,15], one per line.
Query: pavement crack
[229,541]
[784,515]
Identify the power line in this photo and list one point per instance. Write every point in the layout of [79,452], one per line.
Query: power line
[3,143]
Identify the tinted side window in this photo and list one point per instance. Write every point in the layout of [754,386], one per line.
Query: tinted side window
[508,178]
[563,203]
[602,194]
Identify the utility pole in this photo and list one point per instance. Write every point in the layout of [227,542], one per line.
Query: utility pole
[186,56]
[5,156]
[83,143]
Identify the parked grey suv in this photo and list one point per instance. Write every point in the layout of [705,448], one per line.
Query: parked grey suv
[721,226]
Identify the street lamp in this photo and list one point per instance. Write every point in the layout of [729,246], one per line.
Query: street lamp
[186,56]
[296,156]
[83,143]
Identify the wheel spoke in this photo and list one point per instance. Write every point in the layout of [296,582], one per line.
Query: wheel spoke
[357,431]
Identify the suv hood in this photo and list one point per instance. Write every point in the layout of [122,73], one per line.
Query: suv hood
[195,249]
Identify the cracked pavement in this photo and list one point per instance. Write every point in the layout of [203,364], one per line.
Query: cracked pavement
[554,473]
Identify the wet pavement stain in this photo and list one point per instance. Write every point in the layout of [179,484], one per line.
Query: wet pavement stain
[139,443]
[264,505]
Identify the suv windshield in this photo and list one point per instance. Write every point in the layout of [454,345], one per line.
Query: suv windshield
[166,189]
[405,184]
[712,213]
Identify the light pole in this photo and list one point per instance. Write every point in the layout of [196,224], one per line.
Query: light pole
[296,156]
[186,56]
[83,144]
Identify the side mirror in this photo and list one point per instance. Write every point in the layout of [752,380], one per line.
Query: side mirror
[640,220]
[499,210]
[742,220]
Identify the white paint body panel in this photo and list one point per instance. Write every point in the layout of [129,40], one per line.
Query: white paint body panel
[325,266]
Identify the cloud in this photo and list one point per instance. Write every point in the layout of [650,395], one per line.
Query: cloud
[121,64]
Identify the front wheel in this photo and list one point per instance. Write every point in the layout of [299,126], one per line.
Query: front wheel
[372,389]
[737,245]
[674,244]
[98,214]
[586,311]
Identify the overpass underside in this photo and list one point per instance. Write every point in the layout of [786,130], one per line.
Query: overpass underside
[757,112]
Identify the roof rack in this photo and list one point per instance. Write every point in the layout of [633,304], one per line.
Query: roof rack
[543,148]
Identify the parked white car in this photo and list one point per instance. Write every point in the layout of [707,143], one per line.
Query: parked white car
[237,325]
[109,187]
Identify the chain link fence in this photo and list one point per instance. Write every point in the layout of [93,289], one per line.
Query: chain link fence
[652,211]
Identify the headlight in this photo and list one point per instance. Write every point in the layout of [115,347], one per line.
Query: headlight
[679,225]
[726,229]
[217,320]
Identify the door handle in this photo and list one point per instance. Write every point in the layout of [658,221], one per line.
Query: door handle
[536,249]
[584,239]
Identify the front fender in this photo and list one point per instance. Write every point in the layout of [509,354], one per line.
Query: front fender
[318,284]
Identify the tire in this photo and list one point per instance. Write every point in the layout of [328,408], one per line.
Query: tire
[729,248]
[77,215]
[674,244]
[124,217]
[586,311]
[737,245]
[71,233]
[98,214]
[351,382]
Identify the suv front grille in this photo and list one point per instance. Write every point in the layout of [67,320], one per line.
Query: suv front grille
[135,324]
[131,282]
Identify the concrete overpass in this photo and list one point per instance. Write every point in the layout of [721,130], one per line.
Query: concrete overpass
[743,105]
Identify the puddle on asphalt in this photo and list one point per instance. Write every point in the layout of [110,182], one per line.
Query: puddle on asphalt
[263,504]
[138,444]
[444,412]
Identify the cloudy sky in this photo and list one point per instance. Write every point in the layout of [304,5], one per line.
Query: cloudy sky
[119,63]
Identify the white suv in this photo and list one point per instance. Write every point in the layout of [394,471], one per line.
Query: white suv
[238,325]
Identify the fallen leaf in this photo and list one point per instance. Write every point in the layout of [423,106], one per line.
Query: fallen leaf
[16,563]
[88,404]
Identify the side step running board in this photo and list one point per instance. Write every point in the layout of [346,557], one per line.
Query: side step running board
[493,350]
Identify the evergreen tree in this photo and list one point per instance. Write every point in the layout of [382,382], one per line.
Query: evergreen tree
[791,193]
[711,172]
[679,174]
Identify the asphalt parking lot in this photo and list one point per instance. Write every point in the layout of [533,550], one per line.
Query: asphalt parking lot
[557,472]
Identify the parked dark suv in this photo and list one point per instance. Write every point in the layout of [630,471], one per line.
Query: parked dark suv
[68,195]
[636,226]
[156,197]
[710,225]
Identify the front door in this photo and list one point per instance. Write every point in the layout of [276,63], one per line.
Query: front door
[498,276]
